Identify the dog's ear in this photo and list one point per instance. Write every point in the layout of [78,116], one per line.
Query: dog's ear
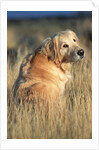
[47,48]
[55,40]
[50,48]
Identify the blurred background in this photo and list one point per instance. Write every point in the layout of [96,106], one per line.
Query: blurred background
[27,29]
[25,32]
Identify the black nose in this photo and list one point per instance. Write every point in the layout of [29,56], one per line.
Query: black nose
[80,52]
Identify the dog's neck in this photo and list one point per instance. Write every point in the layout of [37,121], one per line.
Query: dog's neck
[43,63]
[66,66]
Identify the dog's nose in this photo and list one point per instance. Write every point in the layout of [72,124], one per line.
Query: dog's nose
[80,52]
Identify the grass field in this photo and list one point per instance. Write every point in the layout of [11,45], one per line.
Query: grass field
[70,118]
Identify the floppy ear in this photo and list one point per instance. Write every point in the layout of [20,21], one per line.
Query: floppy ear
[50,49]
[55,40]
[47,48]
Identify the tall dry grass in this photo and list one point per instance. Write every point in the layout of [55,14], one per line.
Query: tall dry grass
[70,118]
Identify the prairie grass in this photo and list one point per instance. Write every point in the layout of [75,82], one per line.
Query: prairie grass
[70,118]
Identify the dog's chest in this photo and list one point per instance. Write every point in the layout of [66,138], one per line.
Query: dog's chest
[63,78]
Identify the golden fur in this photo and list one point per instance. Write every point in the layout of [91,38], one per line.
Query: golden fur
[45,72]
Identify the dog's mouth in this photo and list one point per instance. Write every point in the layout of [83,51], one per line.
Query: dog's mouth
[77,55]
[74,56]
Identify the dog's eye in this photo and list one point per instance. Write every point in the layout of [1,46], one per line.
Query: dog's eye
[66,45]
[74,40]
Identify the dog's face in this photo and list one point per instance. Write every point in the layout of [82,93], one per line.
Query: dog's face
[63,47]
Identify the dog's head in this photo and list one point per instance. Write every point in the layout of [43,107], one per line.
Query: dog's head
[63,47]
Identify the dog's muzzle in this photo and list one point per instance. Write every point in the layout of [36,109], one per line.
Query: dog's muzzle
[80,53]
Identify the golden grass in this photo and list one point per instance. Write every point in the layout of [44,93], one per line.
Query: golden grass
[70,118]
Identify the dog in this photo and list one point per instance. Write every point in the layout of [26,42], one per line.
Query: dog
[45,72]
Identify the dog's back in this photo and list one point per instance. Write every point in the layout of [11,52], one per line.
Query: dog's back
[39,77]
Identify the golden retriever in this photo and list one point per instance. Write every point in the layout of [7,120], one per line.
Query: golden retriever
[45,72]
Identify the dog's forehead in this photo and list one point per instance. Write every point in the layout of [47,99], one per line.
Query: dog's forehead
[69,34]
[67,37]
[65,34]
